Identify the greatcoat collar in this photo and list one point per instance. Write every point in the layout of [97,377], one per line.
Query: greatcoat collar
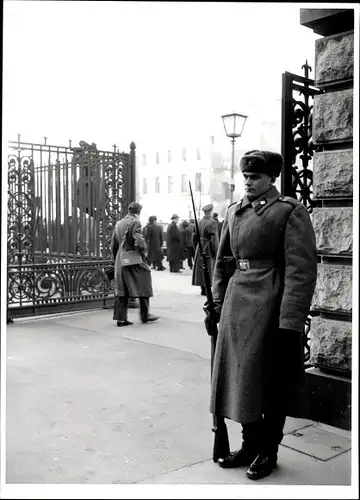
[261,203]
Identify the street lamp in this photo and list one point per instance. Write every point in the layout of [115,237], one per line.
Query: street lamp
[234,125]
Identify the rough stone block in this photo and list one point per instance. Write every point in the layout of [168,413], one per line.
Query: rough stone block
[330,344]
[333,117]
[334,58]
[333,230]
[333,173]
[333,291]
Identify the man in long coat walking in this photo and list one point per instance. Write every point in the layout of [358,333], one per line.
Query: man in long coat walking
[188,243]
[182,229]
[190,250]
[173,245]
[209,235]
[160,231]
[263,301]
[131,281]
[154,241]
[216,217]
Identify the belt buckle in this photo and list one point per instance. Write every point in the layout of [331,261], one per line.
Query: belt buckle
[244,264]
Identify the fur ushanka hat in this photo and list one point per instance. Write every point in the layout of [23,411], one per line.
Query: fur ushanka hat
[262,162]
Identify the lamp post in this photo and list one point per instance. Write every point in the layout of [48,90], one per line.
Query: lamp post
[234,125]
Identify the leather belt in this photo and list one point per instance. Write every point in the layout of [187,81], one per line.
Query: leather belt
[244,264]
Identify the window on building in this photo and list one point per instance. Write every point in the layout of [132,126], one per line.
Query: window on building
[184,154]
[169,156]
[144,159]
[212,139]
[183,184]
[170,184]
[198,155]
[157,184]
[144,186]
[198,182]
[157,158]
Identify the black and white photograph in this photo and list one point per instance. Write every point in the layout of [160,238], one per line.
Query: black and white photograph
[179,250]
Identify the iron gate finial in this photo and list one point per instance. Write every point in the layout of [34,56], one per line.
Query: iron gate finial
[306,67]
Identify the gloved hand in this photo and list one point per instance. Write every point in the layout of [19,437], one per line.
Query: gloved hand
[210,323]
[288,341]
[285,379]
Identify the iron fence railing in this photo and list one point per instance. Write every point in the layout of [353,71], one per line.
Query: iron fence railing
[63,203]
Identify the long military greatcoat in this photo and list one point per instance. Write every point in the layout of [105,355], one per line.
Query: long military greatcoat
[182,229]
[173,243]
[251,374]
[154,241]
[209,235]
[133,281]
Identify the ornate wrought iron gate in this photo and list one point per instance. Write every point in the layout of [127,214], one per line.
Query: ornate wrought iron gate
[63,203]
[296,142]
[297,147]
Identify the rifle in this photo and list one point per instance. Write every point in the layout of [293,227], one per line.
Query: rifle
[221,447]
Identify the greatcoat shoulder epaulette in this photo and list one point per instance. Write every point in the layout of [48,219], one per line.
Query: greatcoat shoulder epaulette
[288,199]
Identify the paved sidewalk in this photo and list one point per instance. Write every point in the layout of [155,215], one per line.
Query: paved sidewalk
[90,403]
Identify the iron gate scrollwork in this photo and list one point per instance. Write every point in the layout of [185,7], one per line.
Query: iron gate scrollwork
[298,149]
[63,203]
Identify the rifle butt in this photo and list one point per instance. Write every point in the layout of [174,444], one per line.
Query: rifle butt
[221,440]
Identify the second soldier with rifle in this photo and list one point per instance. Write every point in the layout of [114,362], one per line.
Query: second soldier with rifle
[209,235]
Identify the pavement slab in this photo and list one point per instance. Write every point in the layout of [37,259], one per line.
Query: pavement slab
[101,408]
[317,443]
[293,469]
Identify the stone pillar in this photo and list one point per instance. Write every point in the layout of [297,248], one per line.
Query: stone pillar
[331,331]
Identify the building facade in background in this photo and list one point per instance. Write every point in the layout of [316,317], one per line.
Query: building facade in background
[164,170]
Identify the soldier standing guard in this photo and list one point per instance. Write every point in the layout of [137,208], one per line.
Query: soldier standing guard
[262,302]
[131,281]
[209,234]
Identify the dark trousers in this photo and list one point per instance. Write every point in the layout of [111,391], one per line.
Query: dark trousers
[265,434]
[190,256]
[174,266]
[156,264]
[159,264]
[121,308]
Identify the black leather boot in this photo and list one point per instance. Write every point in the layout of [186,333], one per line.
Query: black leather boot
[124,323]
[263,465]
[240,458]
[150,318]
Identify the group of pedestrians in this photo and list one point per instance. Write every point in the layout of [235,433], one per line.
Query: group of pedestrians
[133,278]
[182,244]
[179,244]
[263,273]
